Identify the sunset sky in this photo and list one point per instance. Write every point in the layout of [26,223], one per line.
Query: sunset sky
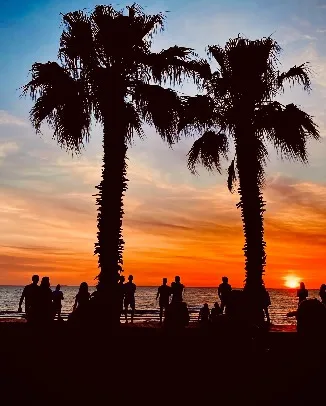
[175,223]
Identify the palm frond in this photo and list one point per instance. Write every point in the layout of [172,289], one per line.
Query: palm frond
[62,102]
[197,113]
[297,74]
[219,55]
[160,107]
[287,128]
[76,42]
[207,151]
[133,122]
[232,176]
[175,63]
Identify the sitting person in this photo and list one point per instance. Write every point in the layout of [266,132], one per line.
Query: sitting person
[176,315]
[203,316]
[81,306]
[215,313]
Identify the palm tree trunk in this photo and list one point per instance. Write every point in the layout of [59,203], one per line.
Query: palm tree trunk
[110,244]
[252,210]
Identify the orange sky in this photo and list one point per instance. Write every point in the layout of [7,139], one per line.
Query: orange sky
[183,225]
[175,223]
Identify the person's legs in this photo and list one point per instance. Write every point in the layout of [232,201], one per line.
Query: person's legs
[132,311]
[59,313]
[161,313]
[222,306]
[126,312]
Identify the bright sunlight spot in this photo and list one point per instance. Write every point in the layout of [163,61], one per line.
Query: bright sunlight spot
[291,281]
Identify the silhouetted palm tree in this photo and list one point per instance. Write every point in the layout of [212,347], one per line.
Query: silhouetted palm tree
[239,106]
[108,72]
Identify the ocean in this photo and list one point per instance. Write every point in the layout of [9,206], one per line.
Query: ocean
[283,301]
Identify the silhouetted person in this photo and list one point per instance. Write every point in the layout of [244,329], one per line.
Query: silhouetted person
[177,289]
[30,295]
[311,322]
[223,292]
[57,298]
[203,316]
[163,294]
[44,303]
[322,293]
[82,298]
[121,291]
[302,293]
[215,312]
[266,302]
[129,298]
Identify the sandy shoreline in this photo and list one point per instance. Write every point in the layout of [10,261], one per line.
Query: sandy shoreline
[281,328]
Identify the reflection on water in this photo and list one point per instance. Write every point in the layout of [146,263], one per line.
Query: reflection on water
[283,300]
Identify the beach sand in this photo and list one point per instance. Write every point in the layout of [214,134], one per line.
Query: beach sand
[144,365]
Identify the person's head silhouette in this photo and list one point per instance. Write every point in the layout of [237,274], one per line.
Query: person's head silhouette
[122,279]
[45,282]
[177,279]
[165,281]
[58,287]
[83,287]
[216,305]
[225,279]
[130,278]
[35,279]
[302,285]
[206,306]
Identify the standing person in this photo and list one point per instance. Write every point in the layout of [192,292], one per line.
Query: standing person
[177,289]
[82,297]
[223,292]
[302,293]
[57,298]
[322,293]
[30,295]
[44,304]
[163,293]
[121,291]
[266,302]
[129,298]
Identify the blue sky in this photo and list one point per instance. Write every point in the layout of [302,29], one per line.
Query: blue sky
[47,208]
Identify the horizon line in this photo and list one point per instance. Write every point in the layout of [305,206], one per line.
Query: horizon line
[156,286]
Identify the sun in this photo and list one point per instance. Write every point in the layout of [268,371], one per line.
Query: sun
[291,281]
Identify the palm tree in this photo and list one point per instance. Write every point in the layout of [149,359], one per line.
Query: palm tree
[108,72]
[239,106]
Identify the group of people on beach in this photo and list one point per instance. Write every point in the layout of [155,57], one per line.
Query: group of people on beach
[41,303]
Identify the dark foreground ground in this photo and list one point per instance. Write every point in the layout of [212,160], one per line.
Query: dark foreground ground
[145,366]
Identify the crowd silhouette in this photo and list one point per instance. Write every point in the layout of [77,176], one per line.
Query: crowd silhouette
[42,305]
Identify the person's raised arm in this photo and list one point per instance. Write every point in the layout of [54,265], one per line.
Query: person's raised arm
[21,300]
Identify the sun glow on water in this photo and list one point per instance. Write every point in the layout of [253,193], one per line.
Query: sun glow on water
[291,281]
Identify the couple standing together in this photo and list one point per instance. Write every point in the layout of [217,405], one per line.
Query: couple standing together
[164,292]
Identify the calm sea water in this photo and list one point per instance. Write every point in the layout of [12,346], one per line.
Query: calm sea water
[283,301]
